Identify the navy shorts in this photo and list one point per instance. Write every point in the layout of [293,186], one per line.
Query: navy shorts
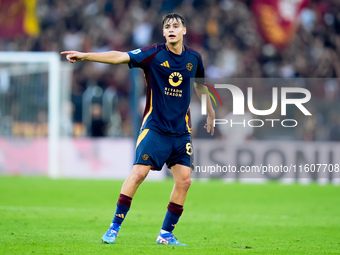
[155,149]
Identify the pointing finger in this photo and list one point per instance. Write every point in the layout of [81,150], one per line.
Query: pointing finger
[66,52]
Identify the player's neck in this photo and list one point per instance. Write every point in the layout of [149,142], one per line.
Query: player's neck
[176,48]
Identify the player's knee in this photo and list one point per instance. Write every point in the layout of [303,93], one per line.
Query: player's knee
[138,176]
[184,183]
[188,183]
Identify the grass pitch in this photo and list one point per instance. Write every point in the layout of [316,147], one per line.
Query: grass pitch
[44,216]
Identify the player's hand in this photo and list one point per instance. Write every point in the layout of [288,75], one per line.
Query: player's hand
[210,125]
[73,56]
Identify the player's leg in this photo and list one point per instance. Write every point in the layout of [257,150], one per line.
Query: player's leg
[182,183]
[182,179]
[129,188]
[136,177]
[152,149]
[180,163]
[178,195]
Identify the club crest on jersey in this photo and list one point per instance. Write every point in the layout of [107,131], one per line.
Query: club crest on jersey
[145,157]
[175,79]
[189,66]
[136,51]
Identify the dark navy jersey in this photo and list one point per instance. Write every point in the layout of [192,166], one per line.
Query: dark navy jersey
[169,84]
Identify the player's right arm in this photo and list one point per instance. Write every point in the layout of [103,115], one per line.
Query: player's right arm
[109,57]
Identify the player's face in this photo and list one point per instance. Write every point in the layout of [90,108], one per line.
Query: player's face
[173,30]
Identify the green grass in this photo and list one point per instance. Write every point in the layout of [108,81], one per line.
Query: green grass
[44,216]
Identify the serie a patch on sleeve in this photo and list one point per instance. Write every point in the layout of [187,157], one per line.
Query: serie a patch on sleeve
[136,51]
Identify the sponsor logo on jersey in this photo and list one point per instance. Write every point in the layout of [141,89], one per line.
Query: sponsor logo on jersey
[173,92]
[175,79]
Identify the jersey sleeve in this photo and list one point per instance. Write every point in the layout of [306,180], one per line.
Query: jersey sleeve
[142,57]
[200,70]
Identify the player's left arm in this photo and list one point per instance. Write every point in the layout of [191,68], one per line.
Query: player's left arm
[211,112]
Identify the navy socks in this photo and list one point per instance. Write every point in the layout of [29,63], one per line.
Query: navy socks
[172,216]
[123,206]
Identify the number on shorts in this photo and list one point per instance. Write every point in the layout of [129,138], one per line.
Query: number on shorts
[190,151]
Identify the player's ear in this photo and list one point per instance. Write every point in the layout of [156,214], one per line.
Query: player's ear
[184,30]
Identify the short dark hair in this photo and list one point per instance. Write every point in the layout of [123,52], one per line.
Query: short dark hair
[175,16]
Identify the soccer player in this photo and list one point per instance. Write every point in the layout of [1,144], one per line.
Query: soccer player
[165,133]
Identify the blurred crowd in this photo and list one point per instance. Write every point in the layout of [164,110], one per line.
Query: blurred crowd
[223,31]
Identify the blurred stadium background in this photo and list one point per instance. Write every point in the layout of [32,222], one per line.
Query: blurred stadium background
[97,108]
[81,121]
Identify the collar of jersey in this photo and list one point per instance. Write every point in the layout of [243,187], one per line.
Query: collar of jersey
[178,55]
